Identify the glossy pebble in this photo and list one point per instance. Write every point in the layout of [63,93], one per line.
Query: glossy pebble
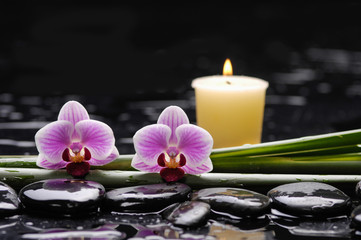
[309,198]
[188,214]
[358,190]
[62,197]
[356,217]
[146,198]
[9,202]
[234,201]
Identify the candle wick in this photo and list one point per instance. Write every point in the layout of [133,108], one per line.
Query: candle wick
[228,82]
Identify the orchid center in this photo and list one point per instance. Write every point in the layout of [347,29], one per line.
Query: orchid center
[76,155]
[171,160]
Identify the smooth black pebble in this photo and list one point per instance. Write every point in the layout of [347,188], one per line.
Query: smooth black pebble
[146,198]
[188,214]
[356,217]
[9,202]
[234,201]
[358,190]
[309,199]
[62,197]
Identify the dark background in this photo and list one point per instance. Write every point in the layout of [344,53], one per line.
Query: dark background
[125,62]
[60,47]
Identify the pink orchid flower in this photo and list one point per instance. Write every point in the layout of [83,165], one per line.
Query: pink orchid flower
[173,147]
[75,142]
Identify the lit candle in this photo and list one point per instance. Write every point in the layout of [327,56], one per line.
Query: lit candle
[230,107]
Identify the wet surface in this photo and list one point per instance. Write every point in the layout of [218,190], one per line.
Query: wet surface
[189,214]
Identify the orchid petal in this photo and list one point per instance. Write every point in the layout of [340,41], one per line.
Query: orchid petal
[53,139]
[195,143]
[73,112]
[173,117]
[205,167]
[97,137]
[151,141]
[139,164]
[42,162]
[99,162]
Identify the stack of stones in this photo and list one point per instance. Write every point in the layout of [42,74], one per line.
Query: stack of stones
[177,203]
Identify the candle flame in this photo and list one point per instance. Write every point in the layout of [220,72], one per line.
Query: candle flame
[227,68]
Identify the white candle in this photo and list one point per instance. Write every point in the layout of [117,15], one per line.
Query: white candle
[230,108]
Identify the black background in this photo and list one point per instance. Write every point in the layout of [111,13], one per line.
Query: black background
[61,47]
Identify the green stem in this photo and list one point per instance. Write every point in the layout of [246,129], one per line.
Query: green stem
[19,177]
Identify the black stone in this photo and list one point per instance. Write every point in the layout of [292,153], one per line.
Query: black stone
[62,197]
[9,202]
[356,217]
[309,199]
[146,198]
[188,214]
[234,201]
[358,190]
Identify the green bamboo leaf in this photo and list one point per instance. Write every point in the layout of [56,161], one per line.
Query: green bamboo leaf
[311,144]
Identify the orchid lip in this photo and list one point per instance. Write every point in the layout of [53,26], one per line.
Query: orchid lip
[171,174]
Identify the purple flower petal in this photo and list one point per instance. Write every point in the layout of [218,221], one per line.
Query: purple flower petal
[173,117]
[73,112]
[139,164]
[97,137]
[206,166]
[99,162]
[42,162]
[53,139]
[195,143]
[151,141]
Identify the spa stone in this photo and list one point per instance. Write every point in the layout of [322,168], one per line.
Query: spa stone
[146,198]
[234,201]
[309,199]
[9,202]
[358,190]
[356,217]
[62,197]
[188,214]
